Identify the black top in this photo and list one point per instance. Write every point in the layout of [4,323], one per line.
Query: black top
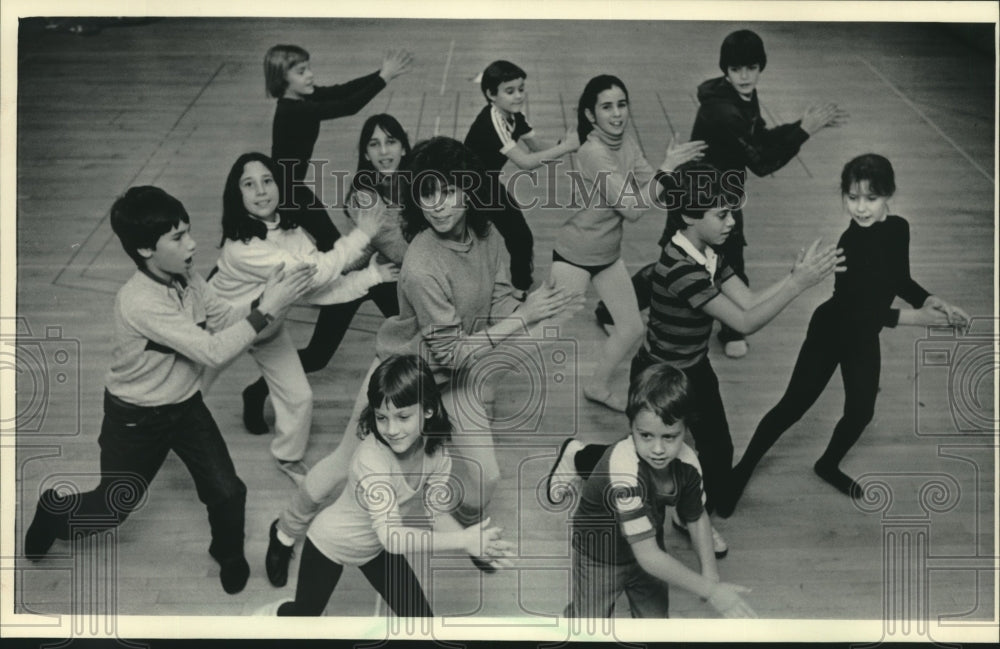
[487,136]
[296,121]
[736,133]
[878,270]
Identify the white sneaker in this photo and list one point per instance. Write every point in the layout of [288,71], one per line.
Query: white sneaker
[270,610]
[563,481]
[736,348]
[719,545]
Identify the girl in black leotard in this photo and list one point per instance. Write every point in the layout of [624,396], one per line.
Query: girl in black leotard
[844,330]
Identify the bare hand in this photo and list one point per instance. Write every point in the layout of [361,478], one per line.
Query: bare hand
[371,216]
[678,154]
[387,272]
[815,263]
[725,599]
[548,301]
[284,288]
[818,117]
[395,63]
[930,314]
[484,542]
[572,140]
[956,316]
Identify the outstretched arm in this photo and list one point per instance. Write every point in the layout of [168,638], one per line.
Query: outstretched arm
[723,597]
[747,312]
[539,154]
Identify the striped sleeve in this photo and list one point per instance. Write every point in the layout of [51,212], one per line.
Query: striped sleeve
[507,142]
[629,500]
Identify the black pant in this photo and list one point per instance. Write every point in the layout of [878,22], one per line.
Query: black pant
[334,320]
[310,213]
[134,443]
[510,223]
[390,574]
[828,343]
[732,253]
[708,426]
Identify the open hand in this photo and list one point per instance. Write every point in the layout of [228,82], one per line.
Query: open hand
[725,599]
[814,263]
[484,542]
[395,63]
[818,117]
[572,140]
[371,215]
[387,272]
[284,288]
[677,154]
[548,301]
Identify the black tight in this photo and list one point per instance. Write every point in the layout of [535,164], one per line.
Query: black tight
[826,346]
[390,574]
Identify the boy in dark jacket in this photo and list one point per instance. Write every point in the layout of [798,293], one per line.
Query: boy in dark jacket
[729,120]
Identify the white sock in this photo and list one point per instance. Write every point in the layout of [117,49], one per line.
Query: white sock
[284,538]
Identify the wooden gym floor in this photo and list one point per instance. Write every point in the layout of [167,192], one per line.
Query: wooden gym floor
[173,102]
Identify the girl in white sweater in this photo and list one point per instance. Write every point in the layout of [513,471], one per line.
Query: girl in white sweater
[255,239]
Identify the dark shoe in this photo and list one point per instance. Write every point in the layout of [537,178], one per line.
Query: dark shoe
[488,568]
[604,318]
[253,407]
[843,483]
[41,533]
[234,573]
[277,558]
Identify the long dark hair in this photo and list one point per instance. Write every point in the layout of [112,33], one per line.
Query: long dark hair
[367,177]
[404,380]
[435,164]
[237,224]
[588,101]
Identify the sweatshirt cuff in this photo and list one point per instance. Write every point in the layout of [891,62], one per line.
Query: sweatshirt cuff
[257,320]
[892,318]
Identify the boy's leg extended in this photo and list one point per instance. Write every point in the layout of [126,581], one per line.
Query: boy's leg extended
[197,441]
[510,223]
[648,597]
[134,443]
[710,430]
[594,587]
[290,393]
[732,253]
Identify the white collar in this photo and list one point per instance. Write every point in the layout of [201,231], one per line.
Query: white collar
[709,259]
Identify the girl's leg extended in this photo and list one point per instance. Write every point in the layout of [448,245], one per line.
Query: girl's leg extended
[325,479]
[395,581]
[290,394]
[474,463]
[615,287]
[318,576]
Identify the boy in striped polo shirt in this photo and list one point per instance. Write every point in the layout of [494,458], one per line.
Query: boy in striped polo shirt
[618,523]
[691,287]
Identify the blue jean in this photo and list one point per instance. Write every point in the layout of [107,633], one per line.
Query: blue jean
[596,585]
[134,443]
